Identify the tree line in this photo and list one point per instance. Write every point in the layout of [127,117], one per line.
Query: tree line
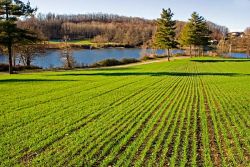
[97,27]
[198,35]
[195,34]
[103,28]
[235,43]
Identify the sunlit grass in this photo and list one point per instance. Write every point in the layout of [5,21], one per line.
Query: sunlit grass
[192,112]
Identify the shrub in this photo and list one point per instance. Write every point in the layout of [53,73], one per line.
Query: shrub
[114,62]
[107,62]
[5,67]
[129,61]
[161,56]
[144,58]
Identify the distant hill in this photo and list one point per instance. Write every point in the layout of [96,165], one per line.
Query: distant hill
[103,28]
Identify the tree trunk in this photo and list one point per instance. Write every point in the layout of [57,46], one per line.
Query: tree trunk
[14,58]
[196,51]
[28,62]
[230,50]
[68,61]
[10,58]
[248,54]
[248,49]
[168,55]
[190,51]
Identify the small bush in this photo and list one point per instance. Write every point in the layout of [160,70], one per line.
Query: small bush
[129,61]
[144,58]
[107,62]
[161,56]
[5,67]
[114,62]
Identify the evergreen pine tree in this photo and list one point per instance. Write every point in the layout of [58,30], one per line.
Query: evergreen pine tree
[165,34]
[10,34]
[195,33]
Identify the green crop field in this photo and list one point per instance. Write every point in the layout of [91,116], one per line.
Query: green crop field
[192,112]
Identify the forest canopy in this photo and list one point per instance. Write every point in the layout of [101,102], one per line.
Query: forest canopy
[102,28]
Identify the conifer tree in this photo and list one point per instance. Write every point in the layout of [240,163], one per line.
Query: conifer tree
[195,33]
[165,34]
[10,34]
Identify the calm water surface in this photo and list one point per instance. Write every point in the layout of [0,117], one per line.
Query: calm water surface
[52,58]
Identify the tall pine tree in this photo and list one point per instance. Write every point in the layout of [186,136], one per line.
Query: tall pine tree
[165,35]
[195,33]
[10,34]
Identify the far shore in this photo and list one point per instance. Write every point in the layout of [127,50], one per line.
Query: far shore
[60,45]
[87,45]
[158,60]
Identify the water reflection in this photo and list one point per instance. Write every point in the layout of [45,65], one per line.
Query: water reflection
[52,58]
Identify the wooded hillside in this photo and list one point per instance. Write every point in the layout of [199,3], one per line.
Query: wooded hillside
[101,28]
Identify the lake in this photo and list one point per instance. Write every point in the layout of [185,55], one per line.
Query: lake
[52,58]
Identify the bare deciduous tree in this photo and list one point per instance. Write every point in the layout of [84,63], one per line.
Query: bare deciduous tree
[67,55]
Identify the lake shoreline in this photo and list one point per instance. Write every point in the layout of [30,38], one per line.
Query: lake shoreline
[141,62]
[89,46]
[96,46]
[52,58]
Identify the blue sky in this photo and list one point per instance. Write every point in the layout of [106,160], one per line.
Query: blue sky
[235,14]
